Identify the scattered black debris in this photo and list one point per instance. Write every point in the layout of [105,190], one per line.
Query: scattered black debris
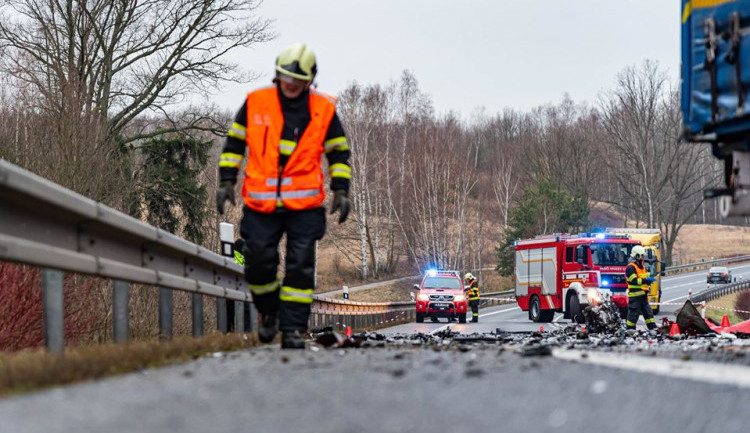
[603,331]
[474,372]
[690,321]
[536,350]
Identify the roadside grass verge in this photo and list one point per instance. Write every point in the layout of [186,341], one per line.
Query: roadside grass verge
[726,302]
[30,370]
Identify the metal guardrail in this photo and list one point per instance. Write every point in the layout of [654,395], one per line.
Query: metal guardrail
[717,292]
[706,264]
[46,225]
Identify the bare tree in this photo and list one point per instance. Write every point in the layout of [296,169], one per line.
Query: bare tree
[658,178]
[115,60]
[640,159]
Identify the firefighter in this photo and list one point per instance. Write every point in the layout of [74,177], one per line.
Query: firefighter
[473,296]
[638,287]
[284,130]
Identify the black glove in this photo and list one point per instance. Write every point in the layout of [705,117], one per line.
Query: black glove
[341,203]
[224,193]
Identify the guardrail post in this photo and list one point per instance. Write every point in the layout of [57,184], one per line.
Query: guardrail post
[120,311]
[253,318]
[197,315]
[239,316]
[165,313]
[221,315]
[54,308]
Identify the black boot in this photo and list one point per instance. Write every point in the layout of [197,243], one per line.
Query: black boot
[269,326]
[292,340]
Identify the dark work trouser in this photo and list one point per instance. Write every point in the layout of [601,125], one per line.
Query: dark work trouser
[290,299]
[474,310]
[638,305]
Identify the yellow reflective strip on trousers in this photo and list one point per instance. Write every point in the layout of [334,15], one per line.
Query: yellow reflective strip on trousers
[264,289]
[651,320]
[340,170]
[629,323]
[302,296]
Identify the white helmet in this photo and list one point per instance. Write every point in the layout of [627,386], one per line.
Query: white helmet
[638,251]
[469,276]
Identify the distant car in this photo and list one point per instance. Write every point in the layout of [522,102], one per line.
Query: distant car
[441,294]
[719,274]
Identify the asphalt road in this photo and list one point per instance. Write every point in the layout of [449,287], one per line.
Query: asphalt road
[485,388]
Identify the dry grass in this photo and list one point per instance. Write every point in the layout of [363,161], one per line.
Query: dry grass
[727,302]
[696,242]
[33,369]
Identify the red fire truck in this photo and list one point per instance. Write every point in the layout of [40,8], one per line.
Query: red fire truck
[555,272]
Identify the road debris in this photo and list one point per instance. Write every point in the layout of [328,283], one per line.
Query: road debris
[603,331]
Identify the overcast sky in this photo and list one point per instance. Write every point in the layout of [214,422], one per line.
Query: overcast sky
[471,53]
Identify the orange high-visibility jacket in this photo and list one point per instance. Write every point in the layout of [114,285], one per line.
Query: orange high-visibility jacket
[636,286]
[300,184]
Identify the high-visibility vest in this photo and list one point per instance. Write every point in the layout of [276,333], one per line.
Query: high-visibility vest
[239,258]
[300,184]
[473,290]
[635,289]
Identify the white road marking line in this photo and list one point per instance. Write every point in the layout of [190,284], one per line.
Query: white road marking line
[675,299]
[480,316]
[498,312]
[691,370]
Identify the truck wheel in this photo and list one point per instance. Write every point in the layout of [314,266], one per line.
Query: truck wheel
[462,318]
[420,317]
[535,309]
[576,313]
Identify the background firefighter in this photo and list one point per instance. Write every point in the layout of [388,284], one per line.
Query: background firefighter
[472,295]
[284,130]
[638,287]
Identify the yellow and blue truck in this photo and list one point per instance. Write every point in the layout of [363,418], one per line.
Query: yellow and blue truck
[651,240]
[715,92]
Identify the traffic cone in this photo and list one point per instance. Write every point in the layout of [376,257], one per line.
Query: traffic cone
[541,328]
[348,331]
[725,322]
[674,329]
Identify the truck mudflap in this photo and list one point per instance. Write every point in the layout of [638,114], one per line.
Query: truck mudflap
[716,70]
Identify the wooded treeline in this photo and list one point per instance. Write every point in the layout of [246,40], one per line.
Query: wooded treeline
[439,190]
[93,96]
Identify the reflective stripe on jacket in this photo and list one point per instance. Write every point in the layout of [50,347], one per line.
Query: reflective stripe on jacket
[473,291]
[636,286]
[300,184]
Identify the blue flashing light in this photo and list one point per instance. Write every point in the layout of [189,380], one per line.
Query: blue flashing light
[600,235]
[605,283]
[432,272]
